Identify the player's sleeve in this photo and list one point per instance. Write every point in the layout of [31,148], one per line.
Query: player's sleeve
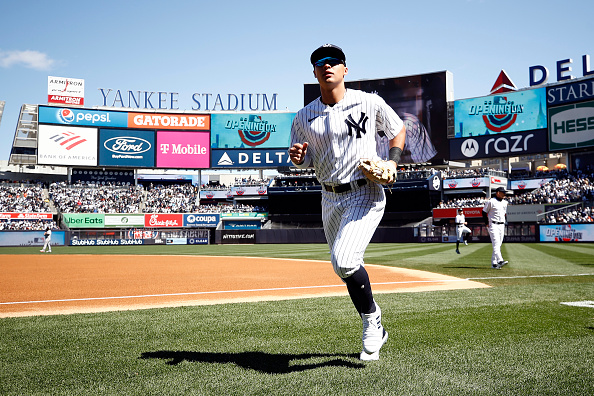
[297,136]
[387,121]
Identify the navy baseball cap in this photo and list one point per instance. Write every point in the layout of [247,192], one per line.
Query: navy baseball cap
[500,189]
[327,51]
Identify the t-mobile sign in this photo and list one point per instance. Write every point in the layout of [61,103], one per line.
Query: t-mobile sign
[183,149]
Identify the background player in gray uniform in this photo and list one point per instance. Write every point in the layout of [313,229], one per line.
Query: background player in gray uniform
[461,229]
[47,240]
[332,134]
[495,216]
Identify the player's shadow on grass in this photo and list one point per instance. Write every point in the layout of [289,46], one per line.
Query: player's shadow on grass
[269,363]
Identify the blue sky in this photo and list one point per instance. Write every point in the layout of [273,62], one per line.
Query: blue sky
[264,46]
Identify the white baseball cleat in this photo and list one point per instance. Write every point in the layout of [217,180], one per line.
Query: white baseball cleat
[374,334]
[367,357]
[466,243]
[42,251]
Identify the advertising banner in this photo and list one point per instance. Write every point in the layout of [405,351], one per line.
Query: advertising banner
[215,194]
[234,237]
[66,145]
[507,144]
[507,112]
[183,150]
[239,191]
[65,90]
[25,216]
[570,92]
[163,220]
[125,147]
[571,126]
[30,238]
[242,131]
[242,225]
[450,213]
[201,220]
[530,184]
[421,101]
[84,220]
[567,233]
[497,181]
[124,220]
[466,183]
[124,177]
[250,158]
[187,122]
[82,117]
[524,213]
[106,242]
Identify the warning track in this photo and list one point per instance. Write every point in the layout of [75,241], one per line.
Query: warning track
[48,284]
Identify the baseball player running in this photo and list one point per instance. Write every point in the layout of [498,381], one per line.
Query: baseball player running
[495,216]
[48,237]
[332,134]
[461,230]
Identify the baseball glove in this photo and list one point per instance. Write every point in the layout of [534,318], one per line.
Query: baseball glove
[382,172]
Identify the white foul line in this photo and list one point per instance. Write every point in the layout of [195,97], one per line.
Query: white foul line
[276,289]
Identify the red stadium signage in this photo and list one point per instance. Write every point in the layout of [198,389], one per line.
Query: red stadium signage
[163,220]
[450,213]
[196,122]
[25,216]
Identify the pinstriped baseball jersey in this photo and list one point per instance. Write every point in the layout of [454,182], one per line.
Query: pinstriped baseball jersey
[340,135]
[496,209]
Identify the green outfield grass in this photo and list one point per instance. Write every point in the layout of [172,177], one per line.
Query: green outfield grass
[515,338]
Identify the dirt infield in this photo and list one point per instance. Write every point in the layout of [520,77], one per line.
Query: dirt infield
[48,284]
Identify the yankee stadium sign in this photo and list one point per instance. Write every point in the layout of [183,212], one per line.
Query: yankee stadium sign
[199,101]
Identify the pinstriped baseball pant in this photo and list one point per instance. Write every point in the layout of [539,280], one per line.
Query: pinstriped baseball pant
[496,232]
[350,220]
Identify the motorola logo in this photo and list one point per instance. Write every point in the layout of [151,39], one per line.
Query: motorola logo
[470,147]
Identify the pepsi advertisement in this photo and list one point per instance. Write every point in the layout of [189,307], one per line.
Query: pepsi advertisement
[126,147]
[501,113]
[241,131]
[82,117]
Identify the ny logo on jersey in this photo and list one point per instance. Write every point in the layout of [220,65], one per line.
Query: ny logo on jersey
[357,126]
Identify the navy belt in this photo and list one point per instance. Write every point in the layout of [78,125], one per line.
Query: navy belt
[341,188]
[497,222]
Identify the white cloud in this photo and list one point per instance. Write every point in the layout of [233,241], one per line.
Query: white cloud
[30,59]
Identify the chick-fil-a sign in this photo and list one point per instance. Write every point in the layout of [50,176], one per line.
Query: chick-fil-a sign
[163,220]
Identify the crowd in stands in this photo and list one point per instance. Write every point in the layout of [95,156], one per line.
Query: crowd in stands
[27,225]
[23,198]
[570,215]
[566,188]
[91,198]
[178,198]
[183,198]
[463,203]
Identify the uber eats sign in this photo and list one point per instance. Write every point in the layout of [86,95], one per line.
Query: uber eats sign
[571,126]
[84,220]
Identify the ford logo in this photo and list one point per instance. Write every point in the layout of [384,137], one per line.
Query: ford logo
[127,144]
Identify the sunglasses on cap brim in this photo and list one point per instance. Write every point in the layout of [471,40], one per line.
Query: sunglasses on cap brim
[328,61]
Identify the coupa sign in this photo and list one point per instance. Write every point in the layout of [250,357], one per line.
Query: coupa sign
[201,220]
[571,126]
[509,144]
